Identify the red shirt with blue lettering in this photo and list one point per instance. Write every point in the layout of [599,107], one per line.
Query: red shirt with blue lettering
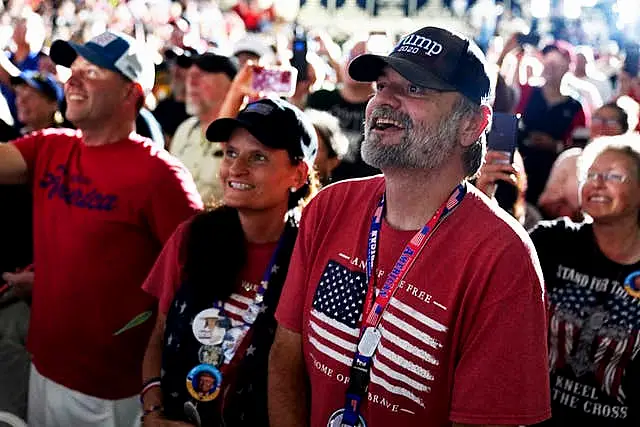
[101,216]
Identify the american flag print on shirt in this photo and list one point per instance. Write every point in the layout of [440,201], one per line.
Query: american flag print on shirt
[410,344]
[594,336]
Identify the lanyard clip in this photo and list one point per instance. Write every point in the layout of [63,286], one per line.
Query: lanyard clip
[359,376]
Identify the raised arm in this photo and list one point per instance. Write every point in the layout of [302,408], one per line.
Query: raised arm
[288,385]
[13,167]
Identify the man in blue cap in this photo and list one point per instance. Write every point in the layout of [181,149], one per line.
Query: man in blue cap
[105,201]
[38,98]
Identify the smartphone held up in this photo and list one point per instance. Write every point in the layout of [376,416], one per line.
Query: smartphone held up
[274,81]
[299,49]
[503,136]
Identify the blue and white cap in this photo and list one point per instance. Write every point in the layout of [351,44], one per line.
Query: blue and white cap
[111,50]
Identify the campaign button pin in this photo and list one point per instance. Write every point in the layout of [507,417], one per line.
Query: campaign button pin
[203,383]
[209,327]
[210,355]
[632,284]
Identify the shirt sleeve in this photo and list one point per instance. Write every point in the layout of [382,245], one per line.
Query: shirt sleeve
[174,199]
[289,313]
[165,277]
[502,374]
[550,238]
[29,146]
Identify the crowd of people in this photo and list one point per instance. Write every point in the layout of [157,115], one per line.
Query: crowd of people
[335,246]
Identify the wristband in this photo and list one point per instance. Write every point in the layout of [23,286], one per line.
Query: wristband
[150,380]
[148,385]
[153,409]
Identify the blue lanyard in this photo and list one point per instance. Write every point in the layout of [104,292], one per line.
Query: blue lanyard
[373,310]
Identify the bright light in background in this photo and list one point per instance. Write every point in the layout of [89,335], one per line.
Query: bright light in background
[63,73]
[589,3]
[541,8]
[627,12]
[571,9]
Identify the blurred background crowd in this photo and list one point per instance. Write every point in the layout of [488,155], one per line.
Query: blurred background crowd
[595,62]
[601,49]
[570,68]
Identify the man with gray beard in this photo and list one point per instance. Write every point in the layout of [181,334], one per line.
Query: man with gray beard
[209,78]
[411,299]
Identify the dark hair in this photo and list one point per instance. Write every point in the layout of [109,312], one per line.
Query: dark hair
[622,116]
[564,48]
[215,237]
[223,225]
[300,198]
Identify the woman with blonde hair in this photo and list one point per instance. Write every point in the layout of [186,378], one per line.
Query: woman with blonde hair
[590,269]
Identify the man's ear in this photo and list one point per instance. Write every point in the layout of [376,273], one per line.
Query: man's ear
[473,126]
[135,95]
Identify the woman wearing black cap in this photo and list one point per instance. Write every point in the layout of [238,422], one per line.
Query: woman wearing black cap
[219,277]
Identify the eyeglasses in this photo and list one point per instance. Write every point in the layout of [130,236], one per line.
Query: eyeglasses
[611,176]
[605,122]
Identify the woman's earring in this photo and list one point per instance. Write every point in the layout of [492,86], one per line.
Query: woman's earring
[293,189]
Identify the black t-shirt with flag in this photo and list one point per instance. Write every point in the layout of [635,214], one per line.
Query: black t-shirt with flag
[594,329]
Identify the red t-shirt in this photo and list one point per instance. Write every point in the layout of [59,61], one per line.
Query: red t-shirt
[166,275]
[464,338]
[101,216]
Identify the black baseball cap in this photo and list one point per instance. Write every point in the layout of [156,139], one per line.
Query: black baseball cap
[182,57]
[212,63]
[276,124]
[434,58]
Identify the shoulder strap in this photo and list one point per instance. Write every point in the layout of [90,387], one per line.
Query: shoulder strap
[246,402]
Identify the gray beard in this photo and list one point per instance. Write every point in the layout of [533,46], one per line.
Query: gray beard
[420,147]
